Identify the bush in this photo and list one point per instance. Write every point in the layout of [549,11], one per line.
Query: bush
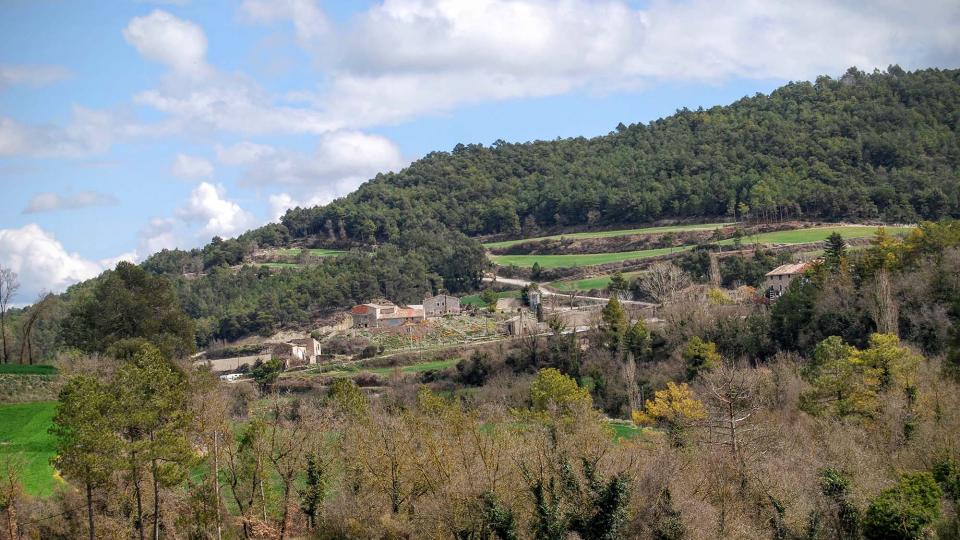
[905,510]
[476,370]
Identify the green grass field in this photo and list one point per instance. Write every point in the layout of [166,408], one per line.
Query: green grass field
[797,236]
[24,440]
[611,234]
[588,284]
[16,369]
[588,259]
[316,252]
[475,300]
[815,234]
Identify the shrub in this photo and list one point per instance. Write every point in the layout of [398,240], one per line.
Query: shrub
[905,510]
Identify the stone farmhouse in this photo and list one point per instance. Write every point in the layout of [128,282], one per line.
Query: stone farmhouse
[298,352]
[384,314]
[778,280]
[440,305]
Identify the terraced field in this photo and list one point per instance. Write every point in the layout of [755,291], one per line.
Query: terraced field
[814,234]
[587,259]
[588,284]
[315,252]
[797,236]
[476,300]
[611,234]
[25,442]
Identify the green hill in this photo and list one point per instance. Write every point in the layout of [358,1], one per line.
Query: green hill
[864,146]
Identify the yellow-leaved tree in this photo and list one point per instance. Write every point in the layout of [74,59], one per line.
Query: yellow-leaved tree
[675,408]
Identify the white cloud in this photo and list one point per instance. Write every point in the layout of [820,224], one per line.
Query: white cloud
[405,58]
[191,167]
[49,202]
[218,215]
[43,264]
[243,153]
[308,19]
[341,162]
[158,234]
[88,132]
[279,204]
[179,44]
[31,75]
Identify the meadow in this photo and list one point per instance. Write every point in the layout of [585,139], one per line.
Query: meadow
[586,259]
[796,236]
[589,284]
[611,234]
[26,444]
[313,252]
[477,301]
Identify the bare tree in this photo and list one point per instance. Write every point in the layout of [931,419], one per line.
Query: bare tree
[662,281]
[34,313]
[8,287]
[884,304]
[733,400]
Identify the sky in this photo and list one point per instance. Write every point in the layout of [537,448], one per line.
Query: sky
[130,127]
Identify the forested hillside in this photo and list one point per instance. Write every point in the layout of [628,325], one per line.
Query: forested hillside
[864,146]
[881,146]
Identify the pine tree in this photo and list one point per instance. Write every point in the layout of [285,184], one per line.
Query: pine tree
[87,445]
[613,324]
[311,496]
[835,253]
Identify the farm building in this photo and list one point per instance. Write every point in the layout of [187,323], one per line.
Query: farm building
[778,280]
[384,314]
[440,305]
[291,354]
[311,346]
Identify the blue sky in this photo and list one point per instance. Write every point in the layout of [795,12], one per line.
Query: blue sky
[127,127]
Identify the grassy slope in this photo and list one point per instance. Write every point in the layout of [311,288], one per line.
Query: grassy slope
[316,252]
[24,438]
[589,259]
[798,236]
[588,284]
[475,300]
[610,234]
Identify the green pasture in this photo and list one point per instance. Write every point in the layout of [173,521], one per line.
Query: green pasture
[589,284]
[315,252]
[795,236]
[475,300]
[611,234]
[350,370]
[26,444]
[586,259]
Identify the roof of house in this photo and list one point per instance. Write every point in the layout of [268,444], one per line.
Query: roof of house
[789,269]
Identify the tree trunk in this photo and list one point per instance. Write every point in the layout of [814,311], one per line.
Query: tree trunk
[287,485]
[3,334]
[156,502]
[216,479]
[90,511]
[263,493]
[139,495]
